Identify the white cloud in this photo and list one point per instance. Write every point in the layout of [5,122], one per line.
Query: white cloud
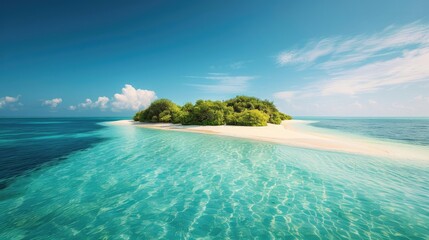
[133,99]
[337,52]
[7,100]
[87,104]
[11,99]
[217,74]
[310,53]
[285,95]
[224,83]
[420,98]
[409,100]
[364,63]
[368,74]
[100,103]
[286,58]
[372,102]
[358,104]
[53,103]
[412,66]
[129,99]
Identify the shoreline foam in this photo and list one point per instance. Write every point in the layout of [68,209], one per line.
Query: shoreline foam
[295,133]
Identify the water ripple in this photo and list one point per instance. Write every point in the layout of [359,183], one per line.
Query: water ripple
[152,184]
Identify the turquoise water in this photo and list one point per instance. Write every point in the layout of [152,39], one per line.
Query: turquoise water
[405,130]
[129,183]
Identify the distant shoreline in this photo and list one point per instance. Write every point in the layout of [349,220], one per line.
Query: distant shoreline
[293,133]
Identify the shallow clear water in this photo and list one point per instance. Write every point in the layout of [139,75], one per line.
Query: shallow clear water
[406,130]
[143,183]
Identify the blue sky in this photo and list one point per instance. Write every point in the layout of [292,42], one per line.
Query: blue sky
[111,58]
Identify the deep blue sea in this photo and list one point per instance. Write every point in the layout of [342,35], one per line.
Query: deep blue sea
[83,178]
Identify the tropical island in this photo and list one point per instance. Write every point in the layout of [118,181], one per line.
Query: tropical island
[239,111]
[252,118]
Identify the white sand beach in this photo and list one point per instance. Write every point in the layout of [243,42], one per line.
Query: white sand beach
[296,133]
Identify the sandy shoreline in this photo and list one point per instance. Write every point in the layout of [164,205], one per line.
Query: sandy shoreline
[293,133]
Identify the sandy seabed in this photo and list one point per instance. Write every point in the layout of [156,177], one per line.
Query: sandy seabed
[297,133]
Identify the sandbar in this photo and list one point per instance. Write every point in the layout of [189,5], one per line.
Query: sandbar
[296,133]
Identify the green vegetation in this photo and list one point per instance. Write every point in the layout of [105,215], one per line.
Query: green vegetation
[241,110]
[205,112]
[243,103]
[249,118]
[162,110]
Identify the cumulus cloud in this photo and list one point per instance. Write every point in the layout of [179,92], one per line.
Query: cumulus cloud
[129,99]
[223,83]
[7,100]
[52,103]
[132,99]
[87,104]
[101,103]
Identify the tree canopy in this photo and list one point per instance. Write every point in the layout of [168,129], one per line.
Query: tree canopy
[241,110]
[205,112]
[243,103]
[161,110]
[249,118]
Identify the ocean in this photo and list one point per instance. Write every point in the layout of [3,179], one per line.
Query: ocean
[63,178]
[414,131]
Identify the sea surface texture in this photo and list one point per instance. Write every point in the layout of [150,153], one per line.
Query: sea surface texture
[78,178]
[406,130]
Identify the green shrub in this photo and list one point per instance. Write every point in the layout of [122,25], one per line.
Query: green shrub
[275,118]
[241,110]
[249,118]
[243,103]
[162,110]
[285,116]
[136,116]
[205,112]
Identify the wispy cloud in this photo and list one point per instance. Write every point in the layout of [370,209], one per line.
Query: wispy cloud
[411,66]
[232,66]
[238,64]
[285,95]
[364,63]
[420,98]
[223,83]
[335,52]
[52,103]
[9,101]
[308,54]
